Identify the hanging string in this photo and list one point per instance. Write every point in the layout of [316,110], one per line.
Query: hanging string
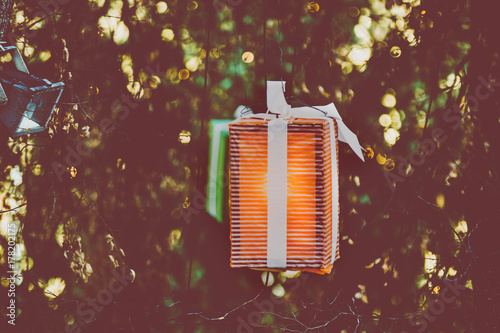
[279,46]
[264,19]
[264,33]
[295,49]
[305,104]
[203,115]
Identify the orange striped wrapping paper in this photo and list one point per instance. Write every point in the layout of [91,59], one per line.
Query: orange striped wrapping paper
[311,195]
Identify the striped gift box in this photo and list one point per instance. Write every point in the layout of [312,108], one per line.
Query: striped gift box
[306,235]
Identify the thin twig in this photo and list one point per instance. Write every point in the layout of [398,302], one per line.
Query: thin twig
[12,209]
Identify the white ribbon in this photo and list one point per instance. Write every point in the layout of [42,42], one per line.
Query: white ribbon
[277,165]
[277,142]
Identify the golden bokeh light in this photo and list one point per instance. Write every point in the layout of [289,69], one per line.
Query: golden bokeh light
[27,263]
[174,239]
[37,170]
[72,172]
[120,164]
[270,279]
[391,136]
[6,58]
[278,290]
[127,64]
[28,50]
[93,90]
[430,262]
[395,119]
[45,55]
[347,67]
[440,200]
[381,159]
[54,287]
[389,165]
[360,55]
[192,5]
[409,35]
[290,274]
[400,24]
[215,53]
[161,7]
[121,33]
[421,117]
[369,153]
[134,87]
[167,35]
[247,57]
[395,51]
[451,81]
[385,120]
[192,64]
[184,136]
[389,100]
[313,7]
[184,74]
[402,114]
[461,227]
[468,284]
[354,11]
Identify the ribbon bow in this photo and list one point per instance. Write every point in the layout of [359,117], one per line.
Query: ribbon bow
[276,103]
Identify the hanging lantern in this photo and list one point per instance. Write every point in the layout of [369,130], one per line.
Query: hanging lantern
[284,206]
[26,101]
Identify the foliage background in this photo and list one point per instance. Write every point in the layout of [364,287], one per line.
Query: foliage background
[393,68]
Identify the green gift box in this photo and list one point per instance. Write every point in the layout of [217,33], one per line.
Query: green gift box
[218,177]
[217,203]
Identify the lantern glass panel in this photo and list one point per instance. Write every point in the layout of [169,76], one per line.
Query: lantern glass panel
[31,101]
[26,123]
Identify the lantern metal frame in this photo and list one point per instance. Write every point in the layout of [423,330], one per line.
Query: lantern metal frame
[26,101]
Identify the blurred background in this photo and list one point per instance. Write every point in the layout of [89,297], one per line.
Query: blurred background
[117,183]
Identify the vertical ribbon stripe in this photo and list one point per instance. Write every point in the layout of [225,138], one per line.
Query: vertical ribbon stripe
[277,141]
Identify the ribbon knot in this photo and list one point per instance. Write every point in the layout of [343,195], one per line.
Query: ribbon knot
[276,102]
[286,112]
